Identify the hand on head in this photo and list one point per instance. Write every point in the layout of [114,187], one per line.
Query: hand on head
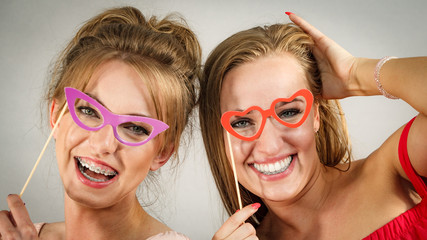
[336,65]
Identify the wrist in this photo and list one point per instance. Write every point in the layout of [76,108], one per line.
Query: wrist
[362,82]
[377,77]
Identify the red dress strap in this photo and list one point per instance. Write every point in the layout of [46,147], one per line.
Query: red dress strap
[415,179]
[412,224]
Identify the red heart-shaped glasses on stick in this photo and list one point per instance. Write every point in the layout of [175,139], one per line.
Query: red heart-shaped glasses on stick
[248,125]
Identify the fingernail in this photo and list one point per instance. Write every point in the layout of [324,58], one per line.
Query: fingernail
[289,13]
[237,210]
[256,205]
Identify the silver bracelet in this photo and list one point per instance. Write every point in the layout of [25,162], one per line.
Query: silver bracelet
[377,77]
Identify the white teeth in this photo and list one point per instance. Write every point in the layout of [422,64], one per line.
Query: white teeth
[274,168]
[95,169]
[271,168]
[89,177]
[277,166]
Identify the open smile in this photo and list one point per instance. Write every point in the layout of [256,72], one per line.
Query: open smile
[274,168]
[94,174]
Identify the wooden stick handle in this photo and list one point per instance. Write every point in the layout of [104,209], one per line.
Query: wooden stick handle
[44,149]
[239,197]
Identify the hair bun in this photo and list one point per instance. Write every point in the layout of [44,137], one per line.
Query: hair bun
[177,27]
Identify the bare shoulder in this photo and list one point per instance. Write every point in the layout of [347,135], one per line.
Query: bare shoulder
[155,226]
[52,231]
[380,174]
[416,149]
[372,193]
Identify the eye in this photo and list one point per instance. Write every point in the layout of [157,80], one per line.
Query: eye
[241,123]
[88,111]
[137,130]
[289,113]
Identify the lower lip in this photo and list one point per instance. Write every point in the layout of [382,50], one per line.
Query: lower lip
[89,183]
[278,176]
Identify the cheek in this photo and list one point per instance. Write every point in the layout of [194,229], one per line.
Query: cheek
[138,162]
[240,149]
[305,143]
[68,136]
[227,146]
[302,137]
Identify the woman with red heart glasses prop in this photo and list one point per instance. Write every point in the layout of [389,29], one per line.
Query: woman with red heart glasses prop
[270,119]
[128,85]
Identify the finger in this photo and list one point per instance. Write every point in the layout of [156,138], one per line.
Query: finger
[325,49]
[235,221]
[307,27]
[245,231]
[320,39]
[252,237]
[7,228]
[19,213]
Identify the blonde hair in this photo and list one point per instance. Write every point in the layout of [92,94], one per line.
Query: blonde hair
[164,52]
[332,141]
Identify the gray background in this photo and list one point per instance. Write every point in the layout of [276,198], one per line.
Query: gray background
[33,32]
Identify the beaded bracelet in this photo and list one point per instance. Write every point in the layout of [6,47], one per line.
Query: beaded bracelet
[377,77]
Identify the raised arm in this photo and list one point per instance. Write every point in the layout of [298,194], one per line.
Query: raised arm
[344,75]
[405,78]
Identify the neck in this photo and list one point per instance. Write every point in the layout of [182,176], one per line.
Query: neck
[125,218]
[300,217]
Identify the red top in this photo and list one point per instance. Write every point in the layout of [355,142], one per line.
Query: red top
[411,224]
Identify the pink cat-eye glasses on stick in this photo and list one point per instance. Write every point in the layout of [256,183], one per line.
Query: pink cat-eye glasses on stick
[90,115]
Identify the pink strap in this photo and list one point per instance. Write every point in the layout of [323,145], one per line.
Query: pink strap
[39,227]
[415,179]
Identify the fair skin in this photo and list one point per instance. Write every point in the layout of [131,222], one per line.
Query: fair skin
[111,211]
[312,201]
[242,89]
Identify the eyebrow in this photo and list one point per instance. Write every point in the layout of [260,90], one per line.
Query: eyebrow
[282,103]
[247,114]
[130,114]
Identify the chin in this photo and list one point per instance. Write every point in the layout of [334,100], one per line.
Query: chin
[278,195]
[89,200]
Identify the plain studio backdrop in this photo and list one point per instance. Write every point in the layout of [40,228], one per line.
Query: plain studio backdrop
[33,33]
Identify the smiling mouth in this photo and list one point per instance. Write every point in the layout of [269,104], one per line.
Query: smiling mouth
[94,173]
[274,168]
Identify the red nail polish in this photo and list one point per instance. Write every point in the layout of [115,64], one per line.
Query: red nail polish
[237,210]
[256,205]
[289,13]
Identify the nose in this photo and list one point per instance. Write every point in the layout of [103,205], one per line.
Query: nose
[270,141]
[103,141]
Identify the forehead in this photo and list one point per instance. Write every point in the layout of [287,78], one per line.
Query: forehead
[120,88]
[261,81]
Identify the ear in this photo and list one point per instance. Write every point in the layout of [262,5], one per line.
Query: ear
[316,124]
[162,158]
[53,115]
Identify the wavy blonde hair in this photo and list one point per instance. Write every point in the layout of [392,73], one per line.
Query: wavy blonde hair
[166,54]
[332,140]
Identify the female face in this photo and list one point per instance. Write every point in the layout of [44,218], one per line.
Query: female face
[281,162]
[119,88]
